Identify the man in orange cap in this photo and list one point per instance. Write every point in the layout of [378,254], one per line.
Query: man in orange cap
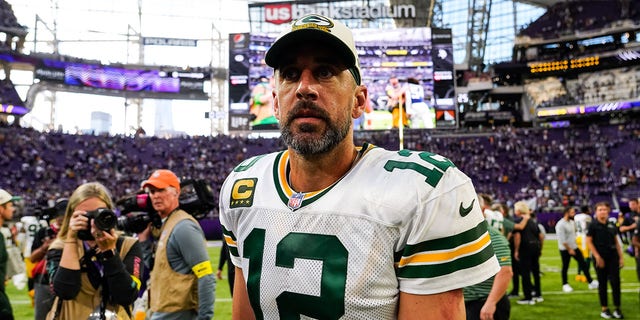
[182,283]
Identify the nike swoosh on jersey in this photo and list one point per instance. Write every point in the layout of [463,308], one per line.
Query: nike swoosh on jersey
[465,211]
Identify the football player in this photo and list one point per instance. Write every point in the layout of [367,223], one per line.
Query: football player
[329,230]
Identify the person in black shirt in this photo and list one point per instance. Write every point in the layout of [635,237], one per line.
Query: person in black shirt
[607,252]
[528,247]
[635,240]
[231,270]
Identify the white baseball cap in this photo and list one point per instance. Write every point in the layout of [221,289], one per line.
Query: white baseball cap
[6,197]
[314,28]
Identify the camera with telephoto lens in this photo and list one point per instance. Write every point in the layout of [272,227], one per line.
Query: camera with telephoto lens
[103,218]
[136,210]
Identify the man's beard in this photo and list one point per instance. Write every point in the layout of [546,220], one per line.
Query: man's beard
[305,143]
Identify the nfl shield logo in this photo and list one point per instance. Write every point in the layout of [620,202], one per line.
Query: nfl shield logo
[295,201]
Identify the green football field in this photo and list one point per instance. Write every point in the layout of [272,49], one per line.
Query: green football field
[580,304]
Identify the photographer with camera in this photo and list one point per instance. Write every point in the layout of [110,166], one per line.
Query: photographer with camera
[43,297]
[182,284]
[94,271]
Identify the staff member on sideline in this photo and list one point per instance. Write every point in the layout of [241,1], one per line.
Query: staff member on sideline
[182,281]
[329,230]
[602,239]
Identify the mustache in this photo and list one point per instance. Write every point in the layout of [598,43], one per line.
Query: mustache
[306,108]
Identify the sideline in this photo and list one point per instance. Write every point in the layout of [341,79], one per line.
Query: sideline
[28,301]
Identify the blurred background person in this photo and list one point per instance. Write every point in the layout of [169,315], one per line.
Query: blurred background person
[582,220]
[602,239]
[6,213]
[43,296]
[528,247]
[231,270]
[566,232]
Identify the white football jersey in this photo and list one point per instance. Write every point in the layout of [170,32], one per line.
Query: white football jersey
[582,221]
[494,219]
[397,221]
[31,225]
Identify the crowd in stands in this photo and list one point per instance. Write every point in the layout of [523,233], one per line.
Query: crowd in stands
[549,168]
[568,17]
[590,88]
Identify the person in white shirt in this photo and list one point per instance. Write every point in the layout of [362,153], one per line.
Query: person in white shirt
[566,232]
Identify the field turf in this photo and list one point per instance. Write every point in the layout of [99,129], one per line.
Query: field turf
[580,304]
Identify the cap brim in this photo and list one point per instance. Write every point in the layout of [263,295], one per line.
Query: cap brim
[295,38]
[12,199]
[155,183]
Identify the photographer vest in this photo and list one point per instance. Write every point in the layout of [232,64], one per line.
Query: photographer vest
[88,299]
[171,291]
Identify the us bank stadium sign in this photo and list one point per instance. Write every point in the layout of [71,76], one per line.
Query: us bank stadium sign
[284,12]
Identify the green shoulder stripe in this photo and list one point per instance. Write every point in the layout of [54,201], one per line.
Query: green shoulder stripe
[436,270]
[230,239]
[447,243]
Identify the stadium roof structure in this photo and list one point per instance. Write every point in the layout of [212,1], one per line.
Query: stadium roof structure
[541,3]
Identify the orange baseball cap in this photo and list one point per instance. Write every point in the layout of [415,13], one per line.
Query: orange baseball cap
[161,179]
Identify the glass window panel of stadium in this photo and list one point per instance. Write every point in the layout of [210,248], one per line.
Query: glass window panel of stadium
[506,18]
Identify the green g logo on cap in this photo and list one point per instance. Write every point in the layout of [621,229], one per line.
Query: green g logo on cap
[313,22]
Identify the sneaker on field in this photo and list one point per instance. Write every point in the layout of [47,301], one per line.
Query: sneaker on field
[606,314]
[594,284]
[527,302]
[567,288]
[618,314]
[538,299]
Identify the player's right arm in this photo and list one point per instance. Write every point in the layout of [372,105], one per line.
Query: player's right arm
[241,308]
[447,305]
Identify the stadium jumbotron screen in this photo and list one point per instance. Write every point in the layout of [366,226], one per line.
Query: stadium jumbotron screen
[422,53]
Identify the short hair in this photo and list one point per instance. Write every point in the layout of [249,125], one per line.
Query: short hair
[485,200]
[602,204]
